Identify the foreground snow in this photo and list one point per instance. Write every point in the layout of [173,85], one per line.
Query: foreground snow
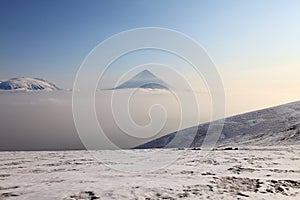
[254,173]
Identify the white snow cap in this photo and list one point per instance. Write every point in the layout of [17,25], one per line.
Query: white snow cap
[27,84]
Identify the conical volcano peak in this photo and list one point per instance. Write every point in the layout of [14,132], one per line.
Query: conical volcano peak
[145,74]
[144,79]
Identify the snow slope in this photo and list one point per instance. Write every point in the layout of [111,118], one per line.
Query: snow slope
[27,84]
[268,127]
[144,79]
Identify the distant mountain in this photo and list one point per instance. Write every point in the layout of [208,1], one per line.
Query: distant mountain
[268,127]
[27,84]
[144,79]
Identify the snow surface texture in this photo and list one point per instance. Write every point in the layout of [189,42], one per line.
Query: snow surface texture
[144,79]
[273,126]
[249,173]
[27,84]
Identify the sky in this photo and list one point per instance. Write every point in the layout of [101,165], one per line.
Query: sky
[253,43]
[255,46]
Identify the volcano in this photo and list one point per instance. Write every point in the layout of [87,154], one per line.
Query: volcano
[146,80]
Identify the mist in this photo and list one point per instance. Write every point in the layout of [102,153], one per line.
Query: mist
[37,121]
[44,120]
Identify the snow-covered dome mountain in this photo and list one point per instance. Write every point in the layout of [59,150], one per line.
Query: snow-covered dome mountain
[146,80]
[27,84]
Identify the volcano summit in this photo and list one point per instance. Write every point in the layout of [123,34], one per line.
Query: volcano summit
[146,80]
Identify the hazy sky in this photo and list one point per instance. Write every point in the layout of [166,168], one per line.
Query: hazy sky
[255,44]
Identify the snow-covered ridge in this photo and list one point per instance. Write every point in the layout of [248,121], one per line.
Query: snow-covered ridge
[27,84]
[268,127]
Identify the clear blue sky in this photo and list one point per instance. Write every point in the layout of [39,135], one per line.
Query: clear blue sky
[50,38]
